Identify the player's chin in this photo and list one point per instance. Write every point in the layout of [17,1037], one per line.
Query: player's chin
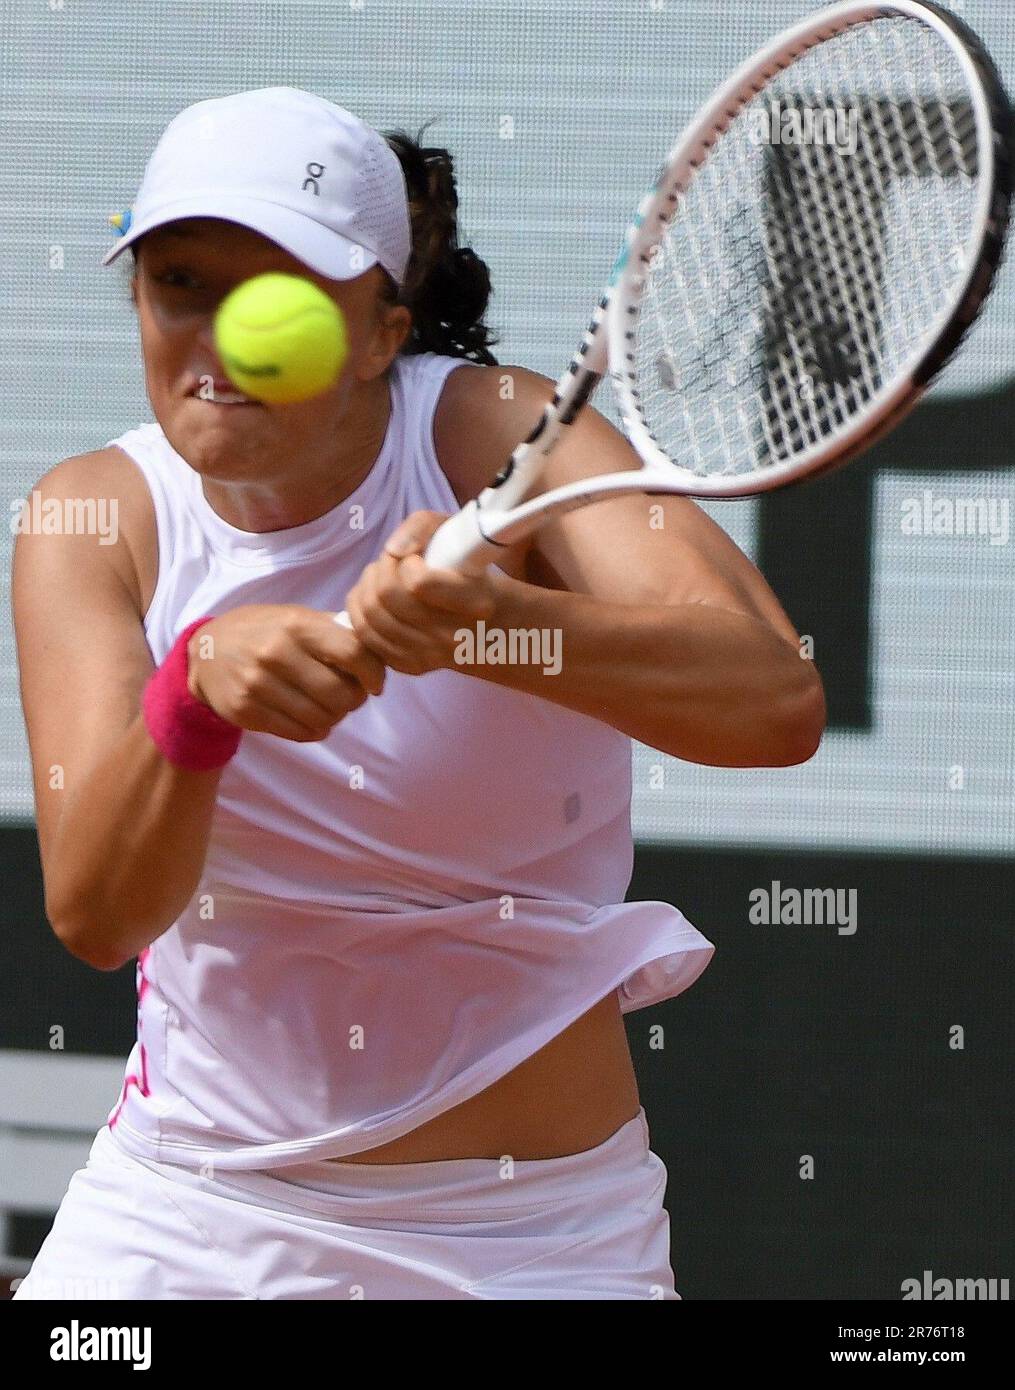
[217,448]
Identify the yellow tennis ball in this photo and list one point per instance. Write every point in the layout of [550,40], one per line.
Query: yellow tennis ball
[280,338]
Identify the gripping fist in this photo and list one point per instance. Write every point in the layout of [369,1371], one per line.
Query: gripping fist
[281,669]
[406,613]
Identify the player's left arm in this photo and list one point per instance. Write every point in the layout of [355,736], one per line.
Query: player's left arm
[664,628]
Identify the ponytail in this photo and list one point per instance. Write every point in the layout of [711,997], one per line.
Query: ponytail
[447,286]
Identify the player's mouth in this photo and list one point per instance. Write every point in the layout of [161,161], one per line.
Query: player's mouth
[221,393]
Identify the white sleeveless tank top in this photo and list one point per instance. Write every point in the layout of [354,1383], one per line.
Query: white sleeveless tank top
[390,919]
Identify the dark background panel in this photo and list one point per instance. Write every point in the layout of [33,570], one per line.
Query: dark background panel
[795,1041]
[799,1041]
[815,539]
[42,986]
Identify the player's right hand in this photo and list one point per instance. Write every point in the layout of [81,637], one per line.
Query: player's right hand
[281,669]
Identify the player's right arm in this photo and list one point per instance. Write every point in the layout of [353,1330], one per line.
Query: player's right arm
[123,833]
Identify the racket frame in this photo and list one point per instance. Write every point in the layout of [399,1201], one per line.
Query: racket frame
[500,516]
[902,392]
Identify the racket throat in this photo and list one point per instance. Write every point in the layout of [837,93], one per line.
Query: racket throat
[516,479]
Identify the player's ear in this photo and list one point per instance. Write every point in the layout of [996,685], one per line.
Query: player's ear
[392,324]
[393,321]
[397,326]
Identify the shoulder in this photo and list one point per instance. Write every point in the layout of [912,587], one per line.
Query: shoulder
[108,475]
[482,414]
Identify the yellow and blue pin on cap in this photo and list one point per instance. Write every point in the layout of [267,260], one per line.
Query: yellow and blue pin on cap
[120,222]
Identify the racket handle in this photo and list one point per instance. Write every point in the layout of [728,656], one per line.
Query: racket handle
[458,544]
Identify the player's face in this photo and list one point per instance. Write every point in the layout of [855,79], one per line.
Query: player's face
[184,271]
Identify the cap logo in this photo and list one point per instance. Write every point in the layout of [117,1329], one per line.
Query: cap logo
[314,172]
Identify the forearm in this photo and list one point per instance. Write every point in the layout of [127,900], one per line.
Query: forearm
[697,681]
[130,849]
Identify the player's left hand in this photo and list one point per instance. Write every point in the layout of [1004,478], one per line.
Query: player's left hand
[406,613]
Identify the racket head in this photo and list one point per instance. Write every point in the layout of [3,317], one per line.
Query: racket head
[760,326]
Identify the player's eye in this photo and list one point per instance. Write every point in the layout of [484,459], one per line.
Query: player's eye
[174,277]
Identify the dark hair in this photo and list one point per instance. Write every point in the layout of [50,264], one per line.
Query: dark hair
[447,286]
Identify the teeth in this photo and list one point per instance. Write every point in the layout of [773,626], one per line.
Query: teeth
[225,397]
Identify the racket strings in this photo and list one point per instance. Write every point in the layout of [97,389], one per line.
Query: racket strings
[805,269]
[833,300]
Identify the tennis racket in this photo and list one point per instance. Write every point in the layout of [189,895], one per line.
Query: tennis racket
[815,247]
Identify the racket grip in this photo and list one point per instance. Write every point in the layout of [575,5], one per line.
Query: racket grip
[458,544]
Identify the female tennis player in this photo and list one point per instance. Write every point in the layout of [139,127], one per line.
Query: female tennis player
[374,891]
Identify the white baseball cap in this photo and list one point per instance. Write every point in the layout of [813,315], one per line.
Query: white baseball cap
[300,170]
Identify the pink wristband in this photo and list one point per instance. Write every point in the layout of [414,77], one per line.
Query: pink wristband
[188,732]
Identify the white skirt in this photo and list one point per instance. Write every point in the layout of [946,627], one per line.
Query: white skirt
[585,1226]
